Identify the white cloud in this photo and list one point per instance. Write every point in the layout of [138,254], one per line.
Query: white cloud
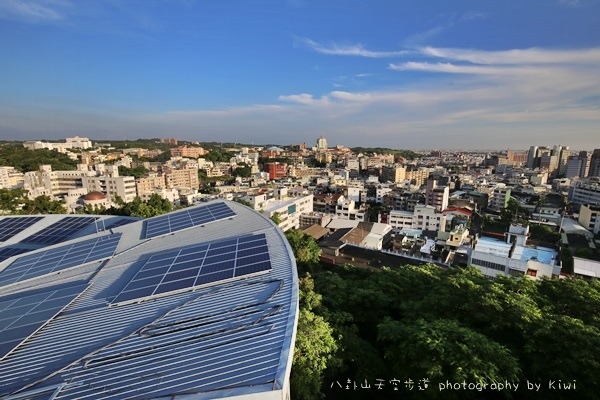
[303,98]
[356,50]
[450,68]
[517,56]
[33,10]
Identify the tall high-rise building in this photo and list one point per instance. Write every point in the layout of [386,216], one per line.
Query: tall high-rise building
[531,157]
[595,163]
[322,144]
[578,166]
[437,196]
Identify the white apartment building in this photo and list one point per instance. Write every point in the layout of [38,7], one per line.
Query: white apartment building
[288,209]
[423,218]
[55,183]
[70,143]
[10,178]
[589,217]
[494,257]
[381,191]
[499,198]
[112,186]
[585,192]
[437,196]
[347,209]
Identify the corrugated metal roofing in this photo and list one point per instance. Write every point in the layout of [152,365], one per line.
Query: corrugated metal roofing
[229,338]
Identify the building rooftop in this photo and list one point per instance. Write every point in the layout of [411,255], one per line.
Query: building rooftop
[199,303]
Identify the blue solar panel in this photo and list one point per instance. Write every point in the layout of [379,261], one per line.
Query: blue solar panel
[194,216]
[60,231]
[20,317]
[63,257]
[8,252]
[10,226]
[174,270]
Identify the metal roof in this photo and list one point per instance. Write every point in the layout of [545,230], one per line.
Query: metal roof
[223,339]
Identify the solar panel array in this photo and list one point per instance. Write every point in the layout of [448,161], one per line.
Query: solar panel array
[21,317]
[194,216]
[174,270]
[60,258]
[10,226]
[60,230]
[8,252]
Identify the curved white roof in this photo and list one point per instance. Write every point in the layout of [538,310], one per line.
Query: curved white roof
[224,338]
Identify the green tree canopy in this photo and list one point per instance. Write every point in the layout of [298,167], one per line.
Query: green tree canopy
[24,160]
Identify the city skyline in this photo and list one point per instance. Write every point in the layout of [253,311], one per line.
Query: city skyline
[435,75]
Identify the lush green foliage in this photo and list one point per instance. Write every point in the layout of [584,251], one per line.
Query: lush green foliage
[218,156]
[137,172]
[408,154]
[455,325]
[155,205]
[15,201]
[15,155]
[242,170]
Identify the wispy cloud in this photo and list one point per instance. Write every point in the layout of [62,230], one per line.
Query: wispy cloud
[450,68]
[304,98]
[570,3]
[33,10]
[516,56]
[354,50]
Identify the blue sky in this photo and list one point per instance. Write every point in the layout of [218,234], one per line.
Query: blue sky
[402,74]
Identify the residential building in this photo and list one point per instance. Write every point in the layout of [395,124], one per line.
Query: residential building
[423,217]
[112,186]
[276,170]
[589,217]
[54,183]
[499,198]
[347,209]
[10,178]
[595,164]
[322,144]
[287,209]
[437,196]
[314,218]
[326,203]
[494,257]
[584,192]
[182,179]
[578,166]
[393,173]
[149,183]
[189,152]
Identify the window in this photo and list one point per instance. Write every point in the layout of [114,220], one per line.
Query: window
[488,264]
[515,272]
[531,272]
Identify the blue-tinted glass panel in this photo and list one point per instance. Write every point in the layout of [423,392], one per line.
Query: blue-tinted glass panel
[216,277]
[10,226]
[8,252]
[209,269]
[193,216]
[252,269]
[191,266]
[63,257]
[29,313]
[60,230]
[179,275]
[175,285]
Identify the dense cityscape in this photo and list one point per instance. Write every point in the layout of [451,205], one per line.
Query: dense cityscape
[299,200]
[512,216]
[437,205]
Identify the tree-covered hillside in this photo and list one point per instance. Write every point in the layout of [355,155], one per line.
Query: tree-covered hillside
[15,155]
[412,327]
